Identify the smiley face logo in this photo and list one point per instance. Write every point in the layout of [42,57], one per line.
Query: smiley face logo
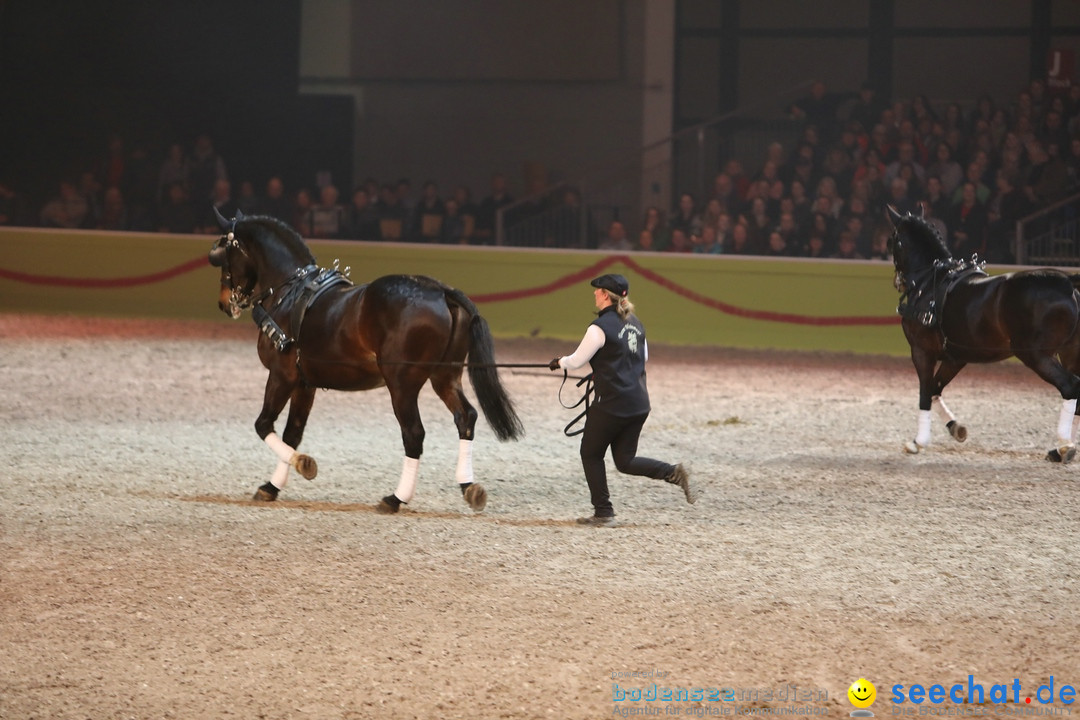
[862,693]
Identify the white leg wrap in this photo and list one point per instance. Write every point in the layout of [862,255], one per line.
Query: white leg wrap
[281,475]
[464,473]
[1065,421]
[1075,425]
[407,487]
[283,451]
[923,436]
[942,409]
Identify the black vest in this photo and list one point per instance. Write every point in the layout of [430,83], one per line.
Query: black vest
[619,366]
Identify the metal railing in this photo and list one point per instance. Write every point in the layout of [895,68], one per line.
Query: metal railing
[1050,236]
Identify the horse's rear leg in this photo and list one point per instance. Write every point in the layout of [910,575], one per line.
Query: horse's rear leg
[300,402]
[404,390]
[448,388]
[1068,384]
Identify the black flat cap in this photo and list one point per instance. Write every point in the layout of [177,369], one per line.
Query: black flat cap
[615,283]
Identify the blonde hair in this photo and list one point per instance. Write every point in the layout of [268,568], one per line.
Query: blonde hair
[623,306]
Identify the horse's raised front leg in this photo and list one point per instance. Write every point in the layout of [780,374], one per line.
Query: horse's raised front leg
[946,372]
[449,390]
[300,400]
[404,390]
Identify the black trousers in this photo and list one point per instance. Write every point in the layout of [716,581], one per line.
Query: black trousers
[603,430]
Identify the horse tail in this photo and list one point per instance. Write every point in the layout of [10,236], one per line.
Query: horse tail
[490,393]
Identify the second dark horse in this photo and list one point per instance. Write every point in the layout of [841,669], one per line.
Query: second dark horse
[953,314]
[321,331]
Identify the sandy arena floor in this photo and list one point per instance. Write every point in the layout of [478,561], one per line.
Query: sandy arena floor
[138,581]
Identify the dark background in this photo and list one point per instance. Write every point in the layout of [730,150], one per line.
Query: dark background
[73,73]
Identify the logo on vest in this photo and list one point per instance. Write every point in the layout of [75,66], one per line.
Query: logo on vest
[631,334]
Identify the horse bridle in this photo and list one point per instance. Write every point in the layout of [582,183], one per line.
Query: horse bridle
[239,298]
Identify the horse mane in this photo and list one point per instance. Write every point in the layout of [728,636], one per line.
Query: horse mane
[284,233]
[925,235]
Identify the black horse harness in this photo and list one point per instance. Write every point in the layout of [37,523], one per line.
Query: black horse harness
[300,291]
[925,292]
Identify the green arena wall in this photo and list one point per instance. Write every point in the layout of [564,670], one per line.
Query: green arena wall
[739,302]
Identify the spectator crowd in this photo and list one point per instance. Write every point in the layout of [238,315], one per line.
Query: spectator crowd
[974,171]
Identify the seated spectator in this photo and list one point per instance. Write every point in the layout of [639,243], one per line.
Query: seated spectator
[1047,177]
[967,224]
[816,247]
[740,242]
[301,209]
[724,193]
[467,209]
[616,240]
[645,242]
[428,215]
[899,197]
[790,233]
[246,201]
[680,243]
[69,209]
[839,166]
[879,244]
[758,222]
[114,212]
[654,224]
[489,206]
[327,216]
[935,196]
[845,247]
[361,220]
[174,169]
[707,244]
[686,217]
[973,174]
[776,245]
[905,156]
[176,215]
[275,203]
[452,227]
[1006,207]
[817,109]
[392,216]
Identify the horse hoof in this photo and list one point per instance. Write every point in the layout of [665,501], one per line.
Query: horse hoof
[912,448]
[305,465]
[266,493]
[388,505]
[1062,455]
[958,431]
[476,496]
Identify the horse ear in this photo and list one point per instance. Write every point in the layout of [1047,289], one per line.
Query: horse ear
[922,209]
[894,216]
[225,225]
[239,215]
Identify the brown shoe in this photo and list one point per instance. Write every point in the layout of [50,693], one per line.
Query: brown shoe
[681,478]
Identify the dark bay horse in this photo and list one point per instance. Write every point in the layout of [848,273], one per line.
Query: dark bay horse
[953,314]
[321,331]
